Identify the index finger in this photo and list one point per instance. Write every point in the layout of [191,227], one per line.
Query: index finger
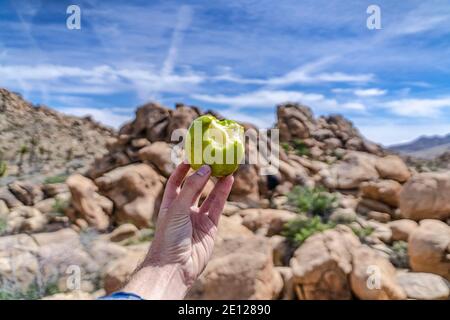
[174,183]
[214,204]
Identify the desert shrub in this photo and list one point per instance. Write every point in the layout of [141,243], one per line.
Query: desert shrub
[56,179]
[300,148]
[300,229]
[314,201]
[3,168]
[286,147]
[399,256]
[3,225]
[33,292]
[362,232]
[60,206]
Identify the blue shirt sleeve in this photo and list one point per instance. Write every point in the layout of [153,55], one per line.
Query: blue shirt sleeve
[121,296]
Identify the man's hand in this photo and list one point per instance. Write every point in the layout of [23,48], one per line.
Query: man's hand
[184,237]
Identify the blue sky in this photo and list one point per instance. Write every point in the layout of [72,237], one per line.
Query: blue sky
[240,58]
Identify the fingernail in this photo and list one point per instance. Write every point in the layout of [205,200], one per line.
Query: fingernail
[204,170]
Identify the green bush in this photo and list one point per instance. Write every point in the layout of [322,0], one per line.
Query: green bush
[399,257]
[314,201]
[34,292]
[300,229]
[56,179]
[3,225]
[60,206]
[300,148]
[3,168]
[361,233]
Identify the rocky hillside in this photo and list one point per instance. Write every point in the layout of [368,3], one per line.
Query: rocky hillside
[37,142]
[342,219]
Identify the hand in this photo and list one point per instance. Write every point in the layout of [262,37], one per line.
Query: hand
[184,237]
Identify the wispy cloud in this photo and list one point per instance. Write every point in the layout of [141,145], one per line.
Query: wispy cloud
[183,21]
[268,98]
[418,107]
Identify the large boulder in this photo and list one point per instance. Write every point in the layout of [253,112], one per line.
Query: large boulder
[322,264]
[426,196]
[245,188]
[10,200]
[159,154]
[424,286]
[294,121]
[266,221]
[355,168]
[181,118]
[88,204]
[373,276]
[25,219]
[386,191]
[27,192]
[240,268]
[392,167]
[118,271]
[151,122]
[135,190]
[402,229]
[429,248]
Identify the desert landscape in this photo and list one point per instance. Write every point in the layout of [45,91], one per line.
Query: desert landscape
[344,218]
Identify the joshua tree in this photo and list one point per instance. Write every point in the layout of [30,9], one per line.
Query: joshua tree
[22,151]
[34,143]
[3,168]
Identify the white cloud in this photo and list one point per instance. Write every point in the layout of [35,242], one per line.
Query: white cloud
[183,21]
[418,107]
[269,98]
[104,116]
[306,74]
[372,92]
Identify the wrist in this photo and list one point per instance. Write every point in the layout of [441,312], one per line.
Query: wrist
[158,282]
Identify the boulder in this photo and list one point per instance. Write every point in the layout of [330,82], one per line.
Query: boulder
[355,168]
[402,229]
[26,192]
[151,122]
[322,264]
[122,232]
[429,248]
[373,276]
[88,204]
[240,268]
[4,210]
[118,271]
[386,191]
[294,121]
[181,118]
[426,196]
[245,188]
[392,167]
[423,286]
[135,190]
[269,221]
[159,155]
[25,219]
[52,189]
[73,295]
[10,200]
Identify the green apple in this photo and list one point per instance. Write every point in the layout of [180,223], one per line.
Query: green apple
[217,143]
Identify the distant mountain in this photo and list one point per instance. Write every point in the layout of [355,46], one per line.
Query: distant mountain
[426,147]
